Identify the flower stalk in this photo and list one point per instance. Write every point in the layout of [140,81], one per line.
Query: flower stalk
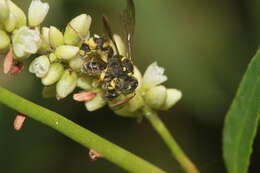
[176,150]
[86,138]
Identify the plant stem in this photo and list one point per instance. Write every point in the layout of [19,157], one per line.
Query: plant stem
[108,150]
[176,150]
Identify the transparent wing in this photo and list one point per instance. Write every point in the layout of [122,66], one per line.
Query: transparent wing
[108,29]
[128,24]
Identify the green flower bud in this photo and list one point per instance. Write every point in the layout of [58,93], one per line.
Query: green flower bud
[4,41]
[66,84]
[19,14]
[76,63]
[56,37]
[4,8]
[45,43]
[10,23]
[25,41]
[156,97]
[172,97]
[40,66]
[84,83]
[45,34]
[37,12]
[77,29]
[96,103]
[52,58]
[53,75]
[66,52]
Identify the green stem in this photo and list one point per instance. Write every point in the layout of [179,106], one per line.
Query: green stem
[108,150]
[176,150]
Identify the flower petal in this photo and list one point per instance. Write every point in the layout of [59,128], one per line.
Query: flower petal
[37,12]
[154,75]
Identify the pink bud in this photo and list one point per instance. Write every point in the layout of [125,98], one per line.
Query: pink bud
[84,96]
[8,62]
[94,155]
[18,122]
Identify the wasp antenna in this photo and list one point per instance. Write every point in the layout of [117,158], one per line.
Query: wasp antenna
[108,29]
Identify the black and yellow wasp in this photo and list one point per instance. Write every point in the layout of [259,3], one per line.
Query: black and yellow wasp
[115,71]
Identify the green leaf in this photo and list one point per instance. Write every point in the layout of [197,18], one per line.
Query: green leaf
[242,120]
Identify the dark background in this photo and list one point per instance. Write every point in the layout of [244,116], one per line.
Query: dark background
[205,47]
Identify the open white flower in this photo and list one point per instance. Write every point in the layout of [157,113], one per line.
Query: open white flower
[37,12]
[26,41]
[154,75]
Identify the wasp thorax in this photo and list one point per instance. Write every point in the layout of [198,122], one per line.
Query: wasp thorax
[94,65]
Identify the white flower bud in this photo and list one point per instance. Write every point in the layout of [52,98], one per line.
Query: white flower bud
[66,84]
[173,96]
[56,37]
[84,83]
[96,103]
[77,29]
[10,23]
[76,63]
[4,10]
[4,41]
[19,14]
[53,75]
[120,44]
[45,41]
[37,12]
[26,41]
[154,75]
[66,52]
[156,97]
[40,66]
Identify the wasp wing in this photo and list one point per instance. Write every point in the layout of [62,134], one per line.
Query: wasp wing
[128,24]
[108,29]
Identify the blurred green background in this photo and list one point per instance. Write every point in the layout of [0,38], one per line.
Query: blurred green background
[205,47]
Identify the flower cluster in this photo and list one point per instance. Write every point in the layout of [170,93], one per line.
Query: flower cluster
[58,62]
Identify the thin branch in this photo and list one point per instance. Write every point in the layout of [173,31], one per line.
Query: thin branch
[176,150]
[108,150]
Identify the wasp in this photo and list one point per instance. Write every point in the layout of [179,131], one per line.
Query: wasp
[118,77]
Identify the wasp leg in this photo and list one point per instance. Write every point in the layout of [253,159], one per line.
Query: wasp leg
[123,101]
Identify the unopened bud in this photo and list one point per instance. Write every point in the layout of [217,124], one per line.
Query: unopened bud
[76,63]
[84,96]
[156,97]
[66,84]
[120,44]
[95,104]
[173,96]
[10,23]
[19,14]
[53,75]
[9,61]
[45,34]
[19,121]
[66,52]
[4,8]
[84,83]
[77,29]
[4,41]
[40,66]
[37,12]
[56,37]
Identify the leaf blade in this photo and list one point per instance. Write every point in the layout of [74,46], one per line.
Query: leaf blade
[242,120]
